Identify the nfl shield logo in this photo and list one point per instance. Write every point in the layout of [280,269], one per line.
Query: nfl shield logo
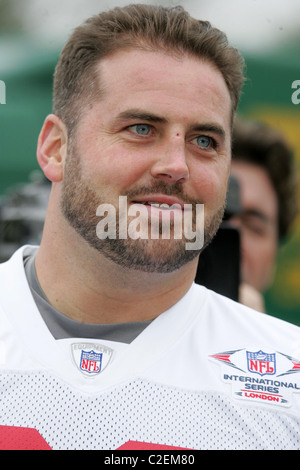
[91,362]
[261,363]
[91,358]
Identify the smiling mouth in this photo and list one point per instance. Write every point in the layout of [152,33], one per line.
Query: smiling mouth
[160,205]
[160,201]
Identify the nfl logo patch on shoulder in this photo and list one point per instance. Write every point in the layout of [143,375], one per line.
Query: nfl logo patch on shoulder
[261,363]
[91,358]
[262,376]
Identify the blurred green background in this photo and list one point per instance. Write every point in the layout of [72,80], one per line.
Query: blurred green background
[267,97]
[27,69]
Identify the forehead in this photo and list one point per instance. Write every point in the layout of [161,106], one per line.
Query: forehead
[171,83]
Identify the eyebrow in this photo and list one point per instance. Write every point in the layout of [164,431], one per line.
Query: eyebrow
[136,114]
[258,214]
[211,128]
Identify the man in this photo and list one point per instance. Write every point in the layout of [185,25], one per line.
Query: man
[107,343]
[263,165]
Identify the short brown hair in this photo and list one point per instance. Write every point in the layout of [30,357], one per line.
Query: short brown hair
[137,26]
[260,144]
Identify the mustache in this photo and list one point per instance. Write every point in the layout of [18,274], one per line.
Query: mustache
[160,187]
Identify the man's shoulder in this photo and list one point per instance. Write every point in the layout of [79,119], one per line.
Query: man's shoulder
[230,315]
[13,281]
[17,257]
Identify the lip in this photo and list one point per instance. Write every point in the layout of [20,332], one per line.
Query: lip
[159,199]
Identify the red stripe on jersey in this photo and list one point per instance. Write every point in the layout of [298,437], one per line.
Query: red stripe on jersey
[135,445]
[17,438]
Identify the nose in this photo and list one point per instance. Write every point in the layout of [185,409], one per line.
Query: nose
[170,164]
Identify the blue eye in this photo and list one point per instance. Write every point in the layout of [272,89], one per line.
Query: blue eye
[204,141]
[142,129]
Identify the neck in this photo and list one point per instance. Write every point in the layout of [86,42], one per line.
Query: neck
[85,286]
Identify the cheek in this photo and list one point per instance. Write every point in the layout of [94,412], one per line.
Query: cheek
[126,169]
[111,166]
[269,251]
[258,252]
[211,186]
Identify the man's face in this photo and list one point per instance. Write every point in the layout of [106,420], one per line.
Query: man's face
[257,224]
[160,133]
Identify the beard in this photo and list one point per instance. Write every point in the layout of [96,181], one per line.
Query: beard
[79,204]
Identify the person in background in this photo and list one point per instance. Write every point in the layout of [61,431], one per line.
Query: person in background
[262,163]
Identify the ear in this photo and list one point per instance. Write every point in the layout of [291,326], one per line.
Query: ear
[52,148]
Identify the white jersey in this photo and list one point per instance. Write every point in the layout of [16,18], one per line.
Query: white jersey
[206,374]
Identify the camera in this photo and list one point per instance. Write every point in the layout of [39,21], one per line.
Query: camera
[22,214]
[219,264]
